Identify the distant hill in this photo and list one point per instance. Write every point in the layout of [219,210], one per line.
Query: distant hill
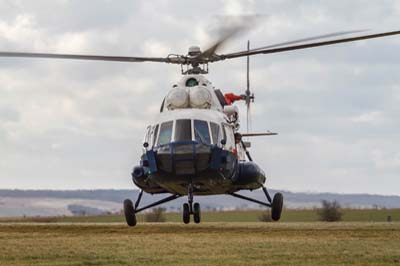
[58,202]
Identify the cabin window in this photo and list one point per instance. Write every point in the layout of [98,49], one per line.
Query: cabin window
[224,132]
[147,136]
[154,136]
[214,132]
[165,133]
[183,130]
[201,132]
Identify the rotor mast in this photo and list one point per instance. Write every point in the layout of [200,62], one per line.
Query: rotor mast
[196,61]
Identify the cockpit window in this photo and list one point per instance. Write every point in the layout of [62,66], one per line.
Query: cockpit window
[224,132]
[147,136]
[214,132]
[201,132]
[183,130]
[165,133]
[154,136]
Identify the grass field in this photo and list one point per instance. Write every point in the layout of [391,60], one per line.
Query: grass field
[205,244]
[289,215]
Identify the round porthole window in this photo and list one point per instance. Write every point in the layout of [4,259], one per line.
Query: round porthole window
[191,82]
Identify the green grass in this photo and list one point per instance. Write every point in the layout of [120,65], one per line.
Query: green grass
[205,244]
[289,215]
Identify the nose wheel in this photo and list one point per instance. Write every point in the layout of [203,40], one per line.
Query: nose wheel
[191,209]
[186,213]
[196,213]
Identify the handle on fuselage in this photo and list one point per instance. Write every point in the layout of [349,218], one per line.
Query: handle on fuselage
[259,134]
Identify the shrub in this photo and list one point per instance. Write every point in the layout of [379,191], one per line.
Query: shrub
[330,211]
[157,215]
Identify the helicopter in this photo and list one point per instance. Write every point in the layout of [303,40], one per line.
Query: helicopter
[195,147]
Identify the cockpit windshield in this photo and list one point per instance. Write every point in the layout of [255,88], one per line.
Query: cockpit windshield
[201,132]
[183,130]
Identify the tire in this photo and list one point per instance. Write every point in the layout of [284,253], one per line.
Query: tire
[186,213]
[129,212]
[196,213]
[276,206]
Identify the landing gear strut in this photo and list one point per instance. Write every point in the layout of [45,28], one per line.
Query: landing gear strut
[190,208]
[130,210]
[276,204]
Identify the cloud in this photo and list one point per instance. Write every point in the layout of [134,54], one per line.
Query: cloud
[76,124]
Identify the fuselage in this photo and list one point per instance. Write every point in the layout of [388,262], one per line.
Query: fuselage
[192,141]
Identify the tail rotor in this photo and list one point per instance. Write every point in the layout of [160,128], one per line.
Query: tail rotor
[249,97]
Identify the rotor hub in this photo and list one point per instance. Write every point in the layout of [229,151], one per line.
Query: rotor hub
[194,51]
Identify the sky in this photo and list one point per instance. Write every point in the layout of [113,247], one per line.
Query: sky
[79,125]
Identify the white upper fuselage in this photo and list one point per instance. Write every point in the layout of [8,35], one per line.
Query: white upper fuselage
[193,101]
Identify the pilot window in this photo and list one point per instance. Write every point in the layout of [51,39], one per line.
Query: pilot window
[214,132]
[154,135]
[224,132]
[201,132]
[165,133]
[147,136]
[183,130]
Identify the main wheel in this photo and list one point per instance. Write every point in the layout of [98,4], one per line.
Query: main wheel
[129,212]
[196,213]
[186,213]
[276,206]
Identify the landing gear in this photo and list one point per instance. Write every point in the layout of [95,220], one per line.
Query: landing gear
[190,208]
[276,207]
[129,211]
[186,213]
[196,213]
[276,204]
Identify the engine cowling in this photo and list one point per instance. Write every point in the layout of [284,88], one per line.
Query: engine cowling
[250,176]
[177,98]
[200,97]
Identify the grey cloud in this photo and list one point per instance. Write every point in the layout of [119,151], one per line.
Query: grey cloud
[8,115]
[80,124]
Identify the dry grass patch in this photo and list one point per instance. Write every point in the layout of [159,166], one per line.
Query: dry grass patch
[204,244]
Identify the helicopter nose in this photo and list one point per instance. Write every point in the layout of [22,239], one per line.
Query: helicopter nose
[186,157]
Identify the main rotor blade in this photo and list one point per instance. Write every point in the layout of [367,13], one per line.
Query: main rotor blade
[313,38]
[173,60]
[226,36]
[231,26]
[304,46]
